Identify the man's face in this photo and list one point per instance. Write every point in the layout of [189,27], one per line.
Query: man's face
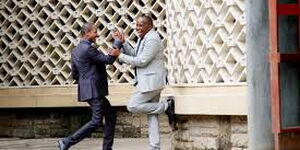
[142,27]
[92,35]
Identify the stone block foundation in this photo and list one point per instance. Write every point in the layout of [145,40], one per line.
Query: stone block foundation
[195,132]
[211,133]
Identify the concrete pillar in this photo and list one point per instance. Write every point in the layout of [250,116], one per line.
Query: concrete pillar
[258,76]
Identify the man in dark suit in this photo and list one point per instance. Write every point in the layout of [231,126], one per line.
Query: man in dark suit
[88,69]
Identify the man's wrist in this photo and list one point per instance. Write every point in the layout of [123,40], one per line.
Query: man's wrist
[117,44]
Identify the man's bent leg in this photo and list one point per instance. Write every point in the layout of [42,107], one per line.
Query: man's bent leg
[110,124]
[89,127]
[144,103]
[149,103]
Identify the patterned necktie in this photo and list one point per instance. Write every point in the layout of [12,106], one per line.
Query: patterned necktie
[138,46]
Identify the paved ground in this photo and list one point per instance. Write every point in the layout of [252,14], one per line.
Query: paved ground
[87,144]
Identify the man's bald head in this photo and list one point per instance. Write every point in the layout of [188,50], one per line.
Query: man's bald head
[144,24]
[87,27]
[147,18]
[89,32]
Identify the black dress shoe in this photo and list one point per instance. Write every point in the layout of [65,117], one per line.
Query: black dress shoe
[171,112]
[62,145]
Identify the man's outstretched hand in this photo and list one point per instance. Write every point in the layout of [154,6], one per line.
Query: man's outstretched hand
[118,35]
[114,52]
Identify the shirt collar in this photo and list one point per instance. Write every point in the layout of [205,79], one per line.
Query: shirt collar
[151,30]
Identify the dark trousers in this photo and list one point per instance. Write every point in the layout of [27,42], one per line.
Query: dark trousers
[99,109]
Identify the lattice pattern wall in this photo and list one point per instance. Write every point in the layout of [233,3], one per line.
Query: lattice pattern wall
[206,42]
[37,36]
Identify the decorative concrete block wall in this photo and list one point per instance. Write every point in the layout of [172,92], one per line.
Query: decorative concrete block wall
[206,42]
[38,35]
[206,39]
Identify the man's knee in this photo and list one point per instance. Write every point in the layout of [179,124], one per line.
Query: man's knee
[96,122]
[133,109]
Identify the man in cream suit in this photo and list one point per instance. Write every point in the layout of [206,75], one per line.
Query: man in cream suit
[150,74]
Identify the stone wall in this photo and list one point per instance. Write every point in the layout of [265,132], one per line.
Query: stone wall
[59,122]
[211,133]
[134,125]
[194,132]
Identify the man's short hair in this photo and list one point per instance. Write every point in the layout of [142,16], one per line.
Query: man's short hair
[148,18]
[87,27]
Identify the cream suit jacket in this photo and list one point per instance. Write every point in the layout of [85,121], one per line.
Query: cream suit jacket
[148,58]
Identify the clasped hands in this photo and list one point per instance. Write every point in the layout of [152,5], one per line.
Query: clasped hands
[118,36]
[114,52]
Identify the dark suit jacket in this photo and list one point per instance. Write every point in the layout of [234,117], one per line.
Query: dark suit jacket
[89,71]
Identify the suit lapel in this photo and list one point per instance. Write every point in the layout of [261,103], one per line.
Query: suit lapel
[141,42]
[139,46]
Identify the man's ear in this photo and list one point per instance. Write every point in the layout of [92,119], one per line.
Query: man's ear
[87,33]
